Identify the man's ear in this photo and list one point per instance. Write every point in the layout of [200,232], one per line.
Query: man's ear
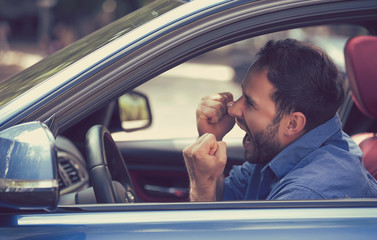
[296,122]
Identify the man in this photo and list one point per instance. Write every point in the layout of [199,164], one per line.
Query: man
[294,145]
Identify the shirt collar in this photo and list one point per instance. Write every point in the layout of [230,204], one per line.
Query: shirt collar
[290,156]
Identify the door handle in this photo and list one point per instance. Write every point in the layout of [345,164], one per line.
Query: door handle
[167,191]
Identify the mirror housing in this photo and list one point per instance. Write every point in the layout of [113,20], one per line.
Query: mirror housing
[134,111]
[28,167]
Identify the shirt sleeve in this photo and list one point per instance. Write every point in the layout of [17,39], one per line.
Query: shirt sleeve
[236,184]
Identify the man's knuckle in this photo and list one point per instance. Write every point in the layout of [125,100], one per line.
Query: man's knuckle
[211,136]
[185,151]
[195,155]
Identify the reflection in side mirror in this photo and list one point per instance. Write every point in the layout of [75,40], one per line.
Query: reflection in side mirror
[28,167]
[134,110]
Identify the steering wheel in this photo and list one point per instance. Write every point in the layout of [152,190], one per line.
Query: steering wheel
[106,164]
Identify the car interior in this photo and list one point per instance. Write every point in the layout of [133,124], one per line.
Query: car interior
[361,58]
[155,164]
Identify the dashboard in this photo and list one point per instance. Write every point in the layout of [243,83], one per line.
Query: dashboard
[72,169]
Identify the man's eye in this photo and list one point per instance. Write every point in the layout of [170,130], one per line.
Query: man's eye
[250,105]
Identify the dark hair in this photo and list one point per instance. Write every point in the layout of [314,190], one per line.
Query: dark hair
[305,79]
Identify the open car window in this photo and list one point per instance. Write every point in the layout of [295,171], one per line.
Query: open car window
[154,155]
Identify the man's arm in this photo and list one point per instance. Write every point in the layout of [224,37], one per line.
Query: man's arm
[206,158]
[220,188]
[205,161]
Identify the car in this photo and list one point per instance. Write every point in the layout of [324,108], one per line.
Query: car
[86,155]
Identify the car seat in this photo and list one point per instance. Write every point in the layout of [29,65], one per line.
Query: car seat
[361,66]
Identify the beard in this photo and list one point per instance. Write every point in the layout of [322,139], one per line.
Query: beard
[266,145]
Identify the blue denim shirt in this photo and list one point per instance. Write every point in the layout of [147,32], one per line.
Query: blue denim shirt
[322,164]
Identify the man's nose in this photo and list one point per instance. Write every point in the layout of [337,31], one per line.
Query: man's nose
[234,108]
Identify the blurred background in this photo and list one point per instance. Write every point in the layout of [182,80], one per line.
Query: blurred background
[33,29]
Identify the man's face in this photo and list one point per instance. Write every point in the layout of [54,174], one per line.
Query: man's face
[255,112]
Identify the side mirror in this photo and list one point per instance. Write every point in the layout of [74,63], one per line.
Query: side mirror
[134,111]
[28,167]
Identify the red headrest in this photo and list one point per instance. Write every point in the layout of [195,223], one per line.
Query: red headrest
[361,65]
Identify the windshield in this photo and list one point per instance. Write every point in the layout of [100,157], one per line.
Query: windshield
[20,83]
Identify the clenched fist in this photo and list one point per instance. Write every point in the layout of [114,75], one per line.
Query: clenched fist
[212,115]
[205,161]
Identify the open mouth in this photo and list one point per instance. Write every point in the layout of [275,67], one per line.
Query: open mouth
[247,141]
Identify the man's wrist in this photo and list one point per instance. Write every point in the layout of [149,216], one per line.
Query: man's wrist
[203,193]
[220,188]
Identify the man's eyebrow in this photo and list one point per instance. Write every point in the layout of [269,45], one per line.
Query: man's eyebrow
[250,100]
